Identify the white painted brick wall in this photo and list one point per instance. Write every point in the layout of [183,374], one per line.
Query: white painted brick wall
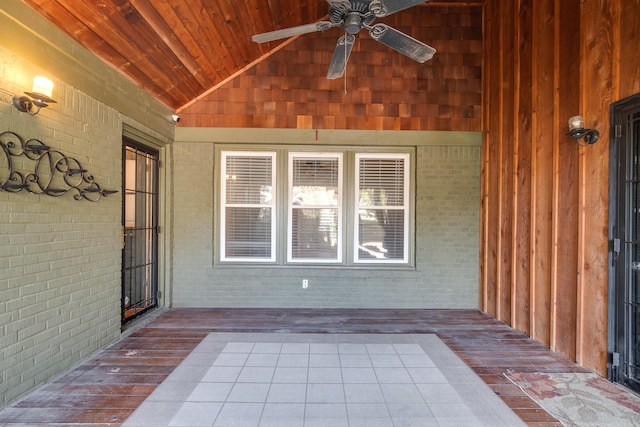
[59,257]
[447,245]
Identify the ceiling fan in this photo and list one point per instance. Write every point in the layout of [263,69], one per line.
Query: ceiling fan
[352,16]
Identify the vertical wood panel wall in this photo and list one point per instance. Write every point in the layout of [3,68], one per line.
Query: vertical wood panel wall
[384,89]
[544,271]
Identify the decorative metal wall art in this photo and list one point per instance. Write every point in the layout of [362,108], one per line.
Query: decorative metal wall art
[35,167]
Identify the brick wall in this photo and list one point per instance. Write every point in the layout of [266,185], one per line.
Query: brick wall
[447,239]
[59,257]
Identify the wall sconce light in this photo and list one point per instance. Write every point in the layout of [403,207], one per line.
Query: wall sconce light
[577,131]
[39,97]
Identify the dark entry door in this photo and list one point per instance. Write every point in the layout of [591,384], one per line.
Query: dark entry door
[624,363]
[140,230]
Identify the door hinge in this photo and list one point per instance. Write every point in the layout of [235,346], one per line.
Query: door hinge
[618,131]
[615,359]
[157,229]
[158,164]
[616,246]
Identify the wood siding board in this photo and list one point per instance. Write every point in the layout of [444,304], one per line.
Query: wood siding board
[567,54]
[596,19]
[542,146]
[493,161]
[506,164]
[628,61]
[522,169]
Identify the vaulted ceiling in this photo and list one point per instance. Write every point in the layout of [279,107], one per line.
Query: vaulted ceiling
[178,50]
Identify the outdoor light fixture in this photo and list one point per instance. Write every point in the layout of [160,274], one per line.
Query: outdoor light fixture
[577,131]
[39,97]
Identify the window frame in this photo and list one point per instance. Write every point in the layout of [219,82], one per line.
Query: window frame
[406,207]
[281,194]
[224,154]
[310,155]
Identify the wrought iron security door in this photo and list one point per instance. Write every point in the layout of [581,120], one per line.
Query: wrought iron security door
[140,230]
[624,362]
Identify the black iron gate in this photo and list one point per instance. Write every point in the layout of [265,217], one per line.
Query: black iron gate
[140,230]
[624,289]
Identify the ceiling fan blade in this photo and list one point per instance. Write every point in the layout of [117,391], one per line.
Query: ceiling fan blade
[292,31]
[382,8]
[402,43]
[341,56]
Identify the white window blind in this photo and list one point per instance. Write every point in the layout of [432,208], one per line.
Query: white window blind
[315,202]
[248,200]
[382,200]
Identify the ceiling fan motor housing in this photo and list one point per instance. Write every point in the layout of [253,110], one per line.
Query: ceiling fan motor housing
[353,19]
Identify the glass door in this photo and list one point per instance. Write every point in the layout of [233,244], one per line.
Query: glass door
[140,230]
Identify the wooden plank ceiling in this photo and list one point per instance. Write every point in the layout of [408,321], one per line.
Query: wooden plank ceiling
[179,49]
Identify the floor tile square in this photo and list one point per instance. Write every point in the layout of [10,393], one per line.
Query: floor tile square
[359,375]
[290,375]
[282,415]
[368,415]
[385,361]
[196,414]
[293,347]
[407,415]
[326,415]
[323,348]
[256,374]
[287,393]
[267,347]
[401,393]
[262,359]
[355,361]
[324,361]
[239,415]
[363,393]
[248,392]
[325,375]
[293,360]
[222,374]
[345,348]
[210,392]
[325,393]
[393,376]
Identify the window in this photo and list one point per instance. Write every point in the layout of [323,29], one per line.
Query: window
[382,208]
[338,207]
[315,193]
[248,201]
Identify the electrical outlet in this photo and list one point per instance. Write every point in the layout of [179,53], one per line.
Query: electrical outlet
[305,283]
